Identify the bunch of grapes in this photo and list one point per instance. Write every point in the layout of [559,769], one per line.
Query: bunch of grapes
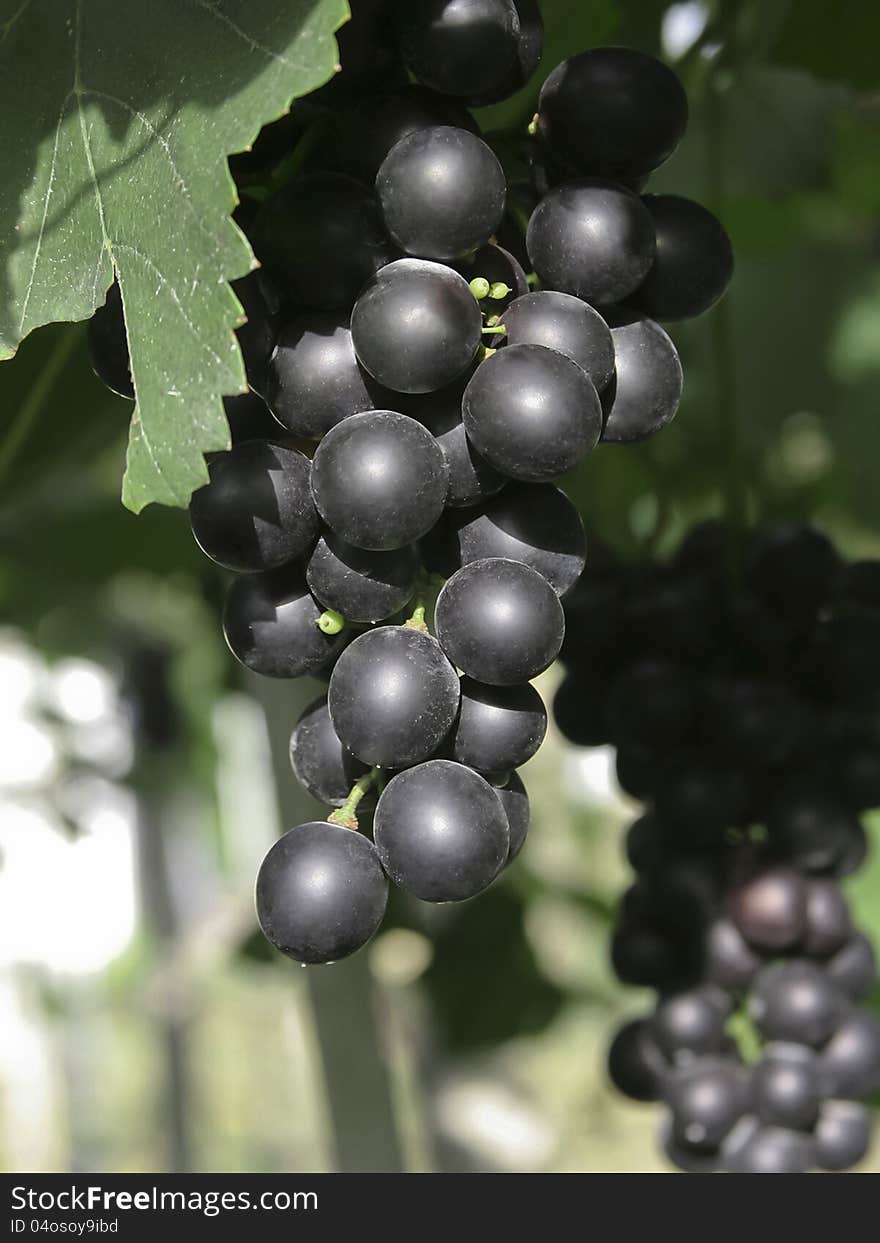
[746,720]
[434,348]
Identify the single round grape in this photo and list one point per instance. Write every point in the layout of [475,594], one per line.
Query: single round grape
[851,1059]
[730,962]
[853,969]
[321,237]
[368,54]
[363,586]
[579,710]
[498,727]
[842,1135]
[567,324]
[108,345]
[636,1066]
[471,478]
[416,326]
[793,568]
[270,622]
[499,621]
[532,523]
[261,303]
[770,909]
[651,704]
[787,1090]
[612,111]
[529,47]
[828,925]
[689,1023]
[693,264]
[466,48]
[775,1150]
[795,1001]
[808,825]
[441,832]
[379,480]
[593,239]
[321,764]
[442,193]
[706,1098]
[360,136]
[684,1157]
[638,770]
[321,892]
[393,696]
[531,412]
[645,391]
[499,267]
[313,379]
[515,801]
[649,957]
[257,511]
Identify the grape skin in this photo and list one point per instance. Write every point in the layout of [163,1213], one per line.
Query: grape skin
[393,697]
[562,322]
[532,523]
[499,621]
[257,511]
[531,412]
[498,727]
[320,762]
[442,193]
[416,326]
[379,480]
[441,832]
[363,586]
[593,239]
[645,392]
[321,893]
[270,623]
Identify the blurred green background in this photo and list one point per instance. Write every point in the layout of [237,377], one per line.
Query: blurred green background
[142,777]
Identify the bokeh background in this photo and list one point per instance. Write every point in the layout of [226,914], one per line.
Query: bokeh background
[143,1025]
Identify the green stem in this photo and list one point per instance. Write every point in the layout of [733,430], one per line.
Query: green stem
[32,407]
[346,815]
[331,622]
[416,621]
[502,328]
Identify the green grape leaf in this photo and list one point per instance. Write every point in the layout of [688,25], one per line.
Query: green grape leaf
[117,117]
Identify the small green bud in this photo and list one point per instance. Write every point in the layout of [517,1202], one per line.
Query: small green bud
[480,288]
[499,290]
[330,622]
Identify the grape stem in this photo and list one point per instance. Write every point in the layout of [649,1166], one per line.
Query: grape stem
[331,622]
[346,815]
[495,328]
[416,621]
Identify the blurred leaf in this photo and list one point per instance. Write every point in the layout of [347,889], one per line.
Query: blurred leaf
[835,41]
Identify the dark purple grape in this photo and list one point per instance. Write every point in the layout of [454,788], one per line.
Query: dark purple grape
[636,1066]
[498,727]
[379,480]
[643,395]
[770,909]
[612,111]
[442,193]
[693,264]
[441,831]
[416,326]
[787,1087]
[795,1001]
[321,893]
[567,324]
[593,239]
[851,1059]
[531,412]
[257,511]
[706,1098]
[363,586]
[270,622]
[393,696]
[321,238]
[532,523]
[108,345]
[842,1135]
[321,764]
[499,621]
[515,801]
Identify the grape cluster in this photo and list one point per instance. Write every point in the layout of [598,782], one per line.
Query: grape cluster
[426,395]
[745,718]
